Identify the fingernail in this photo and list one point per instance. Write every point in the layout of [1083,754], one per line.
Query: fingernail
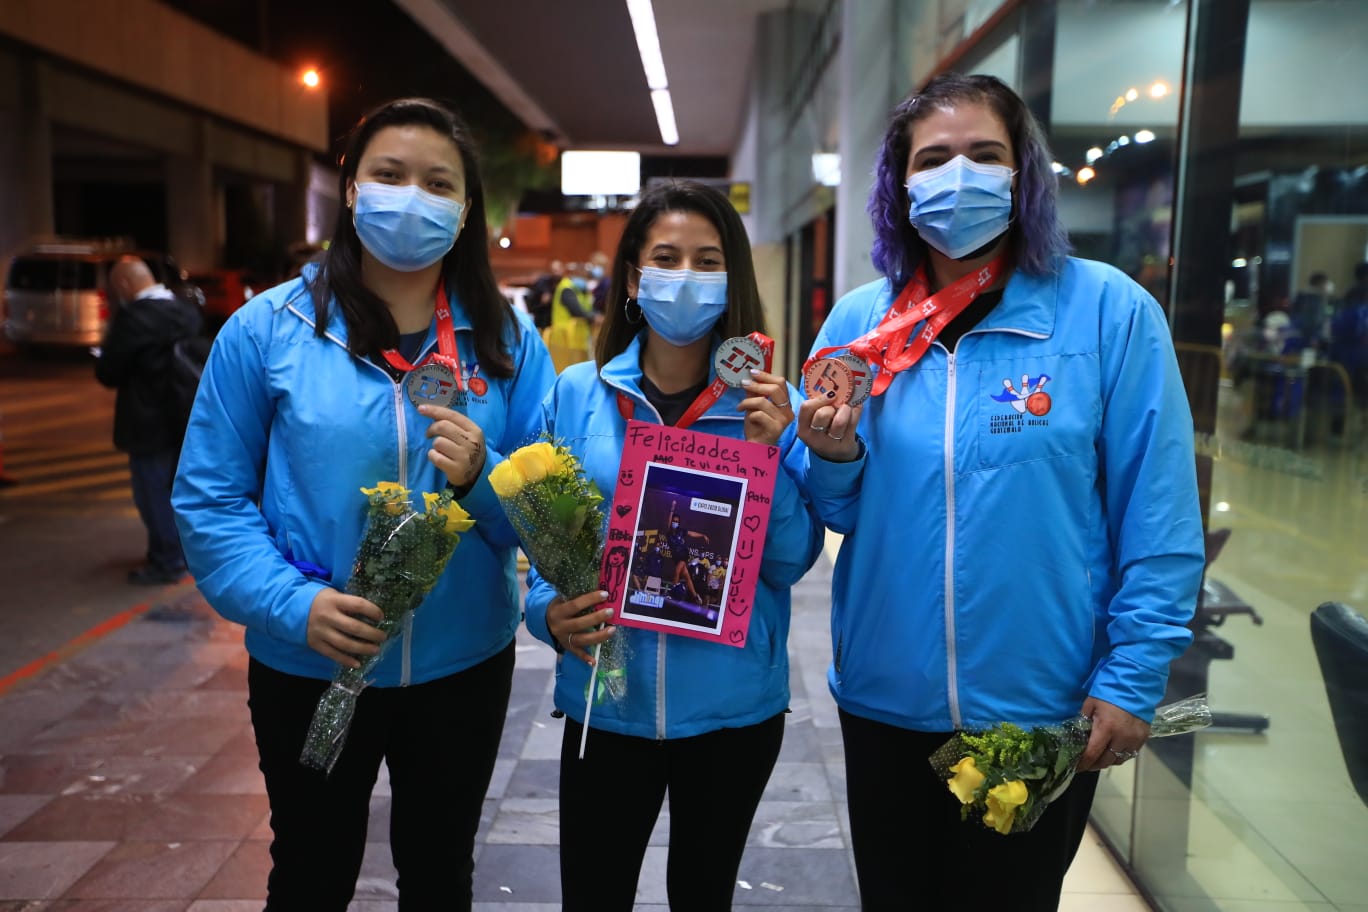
[610,612]
[754,371]
[747,382]
[603,594]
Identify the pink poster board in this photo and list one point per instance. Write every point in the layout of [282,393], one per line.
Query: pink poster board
[686,532]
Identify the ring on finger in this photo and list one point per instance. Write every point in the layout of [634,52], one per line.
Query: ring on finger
[818,429]
[570,641]
[834,437]
[783,404]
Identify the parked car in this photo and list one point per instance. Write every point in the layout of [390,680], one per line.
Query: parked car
[57,293]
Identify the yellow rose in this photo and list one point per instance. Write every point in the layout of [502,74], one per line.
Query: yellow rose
[967,780]
[536,461]
[506,480]
[1002,802]
[457,519]
[393,495]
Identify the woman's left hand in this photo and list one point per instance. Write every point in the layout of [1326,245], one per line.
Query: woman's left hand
[768,410]
[458,446]
[1116,737]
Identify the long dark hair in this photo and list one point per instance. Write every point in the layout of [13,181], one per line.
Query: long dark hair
[745,314]
[1037,237]
[465,269]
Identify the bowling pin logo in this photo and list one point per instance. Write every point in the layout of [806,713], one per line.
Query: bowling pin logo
[1030,399]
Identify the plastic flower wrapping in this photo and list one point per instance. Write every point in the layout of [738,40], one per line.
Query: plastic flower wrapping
[402,553]
[557,511]
[1008,776]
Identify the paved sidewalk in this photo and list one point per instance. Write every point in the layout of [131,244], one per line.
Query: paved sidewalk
[128,781]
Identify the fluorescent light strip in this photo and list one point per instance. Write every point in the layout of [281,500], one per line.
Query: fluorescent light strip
[648,43]
[665,119]
[648,46]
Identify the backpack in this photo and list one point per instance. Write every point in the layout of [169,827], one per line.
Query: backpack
[188,357]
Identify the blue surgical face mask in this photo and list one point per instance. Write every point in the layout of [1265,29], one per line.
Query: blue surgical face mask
[406,228]
[961,205]
[681,305]
[596,271]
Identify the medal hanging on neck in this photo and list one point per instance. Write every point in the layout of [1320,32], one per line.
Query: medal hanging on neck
[733,362]
[889,346]
[436,380]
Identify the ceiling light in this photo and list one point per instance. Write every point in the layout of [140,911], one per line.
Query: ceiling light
[310,78]
[1239,262]
[665,119]
[1144,136]
[1159,89]
[648,43]
[1086,174]
[505,243]
[1093,154]
[826,168]
[1132,94]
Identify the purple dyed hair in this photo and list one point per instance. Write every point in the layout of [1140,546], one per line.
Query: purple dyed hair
[1037,239]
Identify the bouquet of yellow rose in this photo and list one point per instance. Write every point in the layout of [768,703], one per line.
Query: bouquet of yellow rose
[401,555]
[557,511]
[1009,775]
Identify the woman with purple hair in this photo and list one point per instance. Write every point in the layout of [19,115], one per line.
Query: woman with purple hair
[1011,553]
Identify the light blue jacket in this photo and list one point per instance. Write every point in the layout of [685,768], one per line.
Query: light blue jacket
[1005,558]
[286,429]
[679,686]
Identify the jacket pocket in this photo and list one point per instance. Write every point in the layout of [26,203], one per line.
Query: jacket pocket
[1027,409]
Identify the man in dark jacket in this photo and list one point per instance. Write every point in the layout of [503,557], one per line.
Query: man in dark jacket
[135,359]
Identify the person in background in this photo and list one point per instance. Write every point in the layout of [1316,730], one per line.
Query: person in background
[572,313]
[682,282]
[1312,309]
[135,357]
[542,293]
[1035,465]
[598,279]
[304,402]
[1349,337]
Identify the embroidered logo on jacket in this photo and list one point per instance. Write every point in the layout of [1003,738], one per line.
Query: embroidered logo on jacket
[1030,404]
[472,381]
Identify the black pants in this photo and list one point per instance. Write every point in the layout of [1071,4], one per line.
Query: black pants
[150,475]
[609,802]
[912,851]
[439,739]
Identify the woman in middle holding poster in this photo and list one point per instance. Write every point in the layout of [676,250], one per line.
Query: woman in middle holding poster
[699,720]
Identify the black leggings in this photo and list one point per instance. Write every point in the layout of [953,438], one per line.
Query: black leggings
[609,802]
[439,740]
[912,851]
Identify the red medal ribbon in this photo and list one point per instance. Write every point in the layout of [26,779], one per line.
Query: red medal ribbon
[710,395]
[886,346]
[446,343]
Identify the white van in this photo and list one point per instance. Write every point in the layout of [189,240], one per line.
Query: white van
[57,293]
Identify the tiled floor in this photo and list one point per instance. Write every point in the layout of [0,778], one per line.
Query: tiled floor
[128,781]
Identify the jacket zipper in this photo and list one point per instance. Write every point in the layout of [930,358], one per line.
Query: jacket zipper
[951,659]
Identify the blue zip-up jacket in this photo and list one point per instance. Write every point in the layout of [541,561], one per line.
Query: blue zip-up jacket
[287,428]
[1006,557]
[678,686]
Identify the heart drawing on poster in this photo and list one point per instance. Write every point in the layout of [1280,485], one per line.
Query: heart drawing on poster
[623,509]
[751,522]
[738,635]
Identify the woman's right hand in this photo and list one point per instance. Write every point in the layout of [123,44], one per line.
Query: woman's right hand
[829,431]
[337,629]
[575,630]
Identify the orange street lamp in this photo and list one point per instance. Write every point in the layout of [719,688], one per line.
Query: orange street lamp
[310,78]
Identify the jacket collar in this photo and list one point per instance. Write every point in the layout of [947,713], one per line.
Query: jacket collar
[299,301]
[623,373]
[1028,306]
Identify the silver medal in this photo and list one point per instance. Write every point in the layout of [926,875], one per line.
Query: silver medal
[432,383]
[863,376]
[736,358]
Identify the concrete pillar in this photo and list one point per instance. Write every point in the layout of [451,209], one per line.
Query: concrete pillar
[868,88]
[292,203]
[26,200]
[190,209]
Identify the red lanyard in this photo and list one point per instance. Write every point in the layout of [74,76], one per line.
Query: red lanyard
[719,386]
[886,345]
[446,343]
